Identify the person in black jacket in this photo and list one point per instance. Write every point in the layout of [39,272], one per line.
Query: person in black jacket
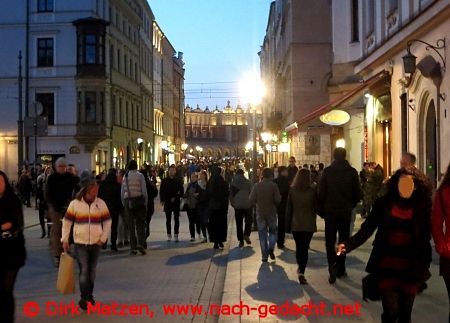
[60,189]
[12,246]
[401,252]
[217,192]
[282,182]
[152,192]
[292,169]
[339,192]
[171,191]
[109,191]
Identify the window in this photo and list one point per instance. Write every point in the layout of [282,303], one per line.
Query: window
[111,56]
[120,112]
[90,106]
[90,48]
[118,60]
[370,17]
[355,21]
[48,103]
[392,6]
[125,64]
[45,6]
[45,52]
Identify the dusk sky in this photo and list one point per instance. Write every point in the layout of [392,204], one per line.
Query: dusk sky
[220,40]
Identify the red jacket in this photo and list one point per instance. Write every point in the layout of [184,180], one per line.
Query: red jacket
[441,215]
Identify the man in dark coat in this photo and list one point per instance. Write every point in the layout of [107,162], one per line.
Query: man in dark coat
[60,189]
[152,192]
[282,182]
[171,191]
[109,191]
[339,192]
[292,169]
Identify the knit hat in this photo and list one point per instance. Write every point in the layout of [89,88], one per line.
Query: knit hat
[86,178]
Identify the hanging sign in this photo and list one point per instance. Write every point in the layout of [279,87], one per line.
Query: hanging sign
[335,118]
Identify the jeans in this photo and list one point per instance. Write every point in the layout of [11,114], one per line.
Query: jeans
[397,298]
[243,215]
[267,231]
[114,228]
[302,240]
[87,257]
[123,230]
[136,225]
[334,225]
[176,217]
[281,211]
[7,304]
[202,217]
[192,216]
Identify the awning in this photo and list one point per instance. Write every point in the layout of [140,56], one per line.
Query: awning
[320,110]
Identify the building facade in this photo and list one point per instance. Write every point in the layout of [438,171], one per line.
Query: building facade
[384,106]
[91,80]
[295,61]
[220,133]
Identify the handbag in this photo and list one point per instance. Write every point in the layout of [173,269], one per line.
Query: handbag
[65,283]
[370,289]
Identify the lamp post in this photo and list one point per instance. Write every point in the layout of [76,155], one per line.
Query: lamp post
[252,91]
[140,143]
[184,146]
[199,150]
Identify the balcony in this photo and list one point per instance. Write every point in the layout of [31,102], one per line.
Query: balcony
[90,134]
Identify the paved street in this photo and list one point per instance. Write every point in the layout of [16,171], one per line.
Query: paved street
[193,273]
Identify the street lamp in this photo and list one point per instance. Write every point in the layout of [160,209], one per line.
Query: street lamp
[199,150]
[184,146]
[252,91]
[140,143]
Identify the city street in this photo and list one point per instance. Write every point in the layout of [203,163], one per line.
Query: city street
[193,273]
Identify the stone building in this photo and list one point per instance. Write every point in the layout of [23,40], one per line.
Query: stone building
[219,133]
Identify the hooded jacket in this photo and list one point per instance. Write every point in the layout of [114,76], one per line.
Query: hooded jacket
[240,192]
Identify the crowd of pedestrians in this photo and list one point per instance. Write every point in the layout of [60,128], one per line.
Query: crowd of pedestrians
[88,212]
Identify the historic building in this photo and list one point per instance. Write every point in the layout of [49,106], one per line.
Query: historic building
[386,85]
[295,61]
[220,133]
[93,73]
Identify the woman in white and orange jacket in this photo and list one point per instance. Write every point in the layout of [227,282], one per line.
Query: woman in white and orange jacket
[91,223]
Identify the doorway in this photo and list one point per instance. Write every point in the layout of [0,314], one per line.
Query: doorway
[430,144]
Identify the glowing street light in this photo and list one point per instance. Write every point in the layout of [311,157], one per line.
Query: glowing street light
[252,91]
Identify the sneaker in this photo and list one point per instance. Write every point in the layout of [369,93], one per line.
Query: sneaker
[142,250]
[83,304]
[192,239]
[247,239]
[169,237]
[241,244]
[221,245]
[271,254]
[176,238]
[216,245]
[302,279]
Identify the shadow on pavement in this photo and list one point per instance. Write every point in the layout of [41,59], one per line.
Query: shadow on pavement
[272,278]
[240,253]
[187,258]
